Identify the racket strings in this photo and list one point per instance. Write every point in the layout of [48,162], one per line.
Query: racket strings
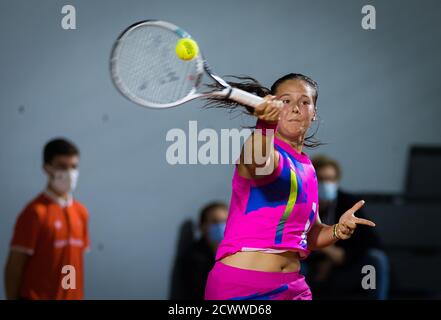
[149,69]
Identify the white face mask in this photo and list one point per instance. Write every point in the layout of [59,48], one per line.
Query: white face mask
[64,181]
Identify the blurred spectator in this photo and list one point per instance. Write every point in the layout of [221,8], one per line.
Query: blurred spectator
[335,272]
[50,236]
[199,259]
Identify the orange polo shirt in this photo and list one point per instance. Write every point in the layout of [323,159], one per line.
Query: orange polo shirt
[54,233]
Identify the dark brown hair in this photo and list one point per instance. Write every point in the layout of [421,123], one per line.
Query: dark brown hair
[59,147]
[320,161]
[251,85]
[208,208]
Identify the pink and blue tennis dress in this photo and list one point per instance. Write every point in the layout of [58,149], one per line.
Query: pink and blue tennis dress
[271,214]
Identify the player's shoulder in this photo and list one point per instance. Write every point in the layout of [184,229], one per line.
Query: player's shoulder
[81,208]
[307,160]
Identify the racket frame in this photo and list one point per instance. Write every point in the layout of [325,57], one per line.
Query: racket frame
[202,67]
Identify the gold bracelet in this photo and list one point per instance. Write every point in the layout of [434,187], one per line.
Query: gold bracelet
[334,232]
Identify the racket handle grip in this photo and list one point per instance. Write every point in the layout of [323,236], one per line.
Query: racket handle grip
[245,98]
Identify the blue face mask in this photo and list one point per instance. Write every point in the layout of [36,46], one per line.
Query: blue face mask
[327,191]
[216,232]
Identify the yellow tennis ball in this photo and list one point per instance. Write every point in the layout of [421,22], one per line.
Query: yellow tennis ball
[187,49]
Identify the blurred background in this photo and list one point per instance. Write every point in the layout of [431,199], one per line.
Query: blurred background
[378,107]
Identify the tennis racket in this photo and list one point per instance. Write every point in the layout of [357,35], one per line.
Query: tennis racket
[147,71]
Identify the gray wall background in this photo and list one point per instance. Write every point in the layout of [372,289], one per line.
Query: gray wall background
[380,93]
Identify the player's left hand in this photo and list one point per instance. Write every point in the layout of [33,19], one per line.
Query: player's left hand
[348,222]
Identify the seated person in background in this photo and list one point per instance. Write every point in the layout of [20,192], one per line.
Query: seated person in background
[335,272]
[199,260]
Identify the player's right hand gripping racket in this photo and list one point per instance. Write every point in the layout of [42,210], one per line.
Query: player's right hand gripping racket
[146,69]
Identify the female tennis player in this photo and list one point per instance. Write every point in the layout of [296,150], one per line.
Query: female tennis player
[273,219]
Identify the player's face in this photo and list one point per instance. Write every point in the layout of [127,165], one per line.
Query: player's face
[298,108]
